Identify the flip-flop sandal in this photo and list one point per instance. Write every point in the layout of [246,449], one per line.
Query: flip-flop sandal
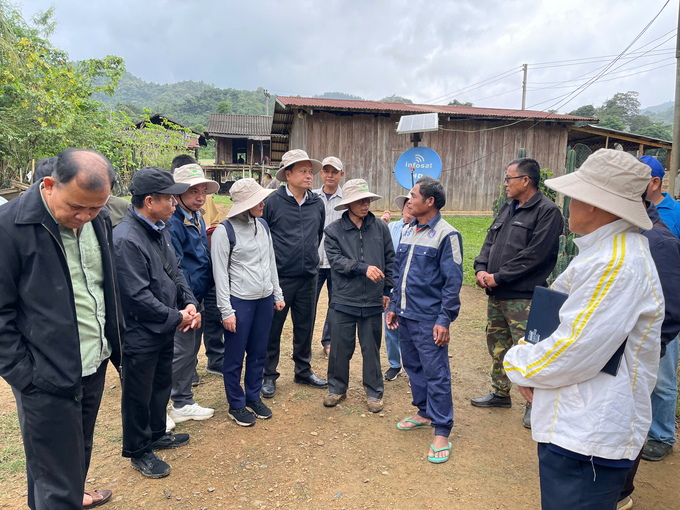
[105,494]
[440,460]
[417,424]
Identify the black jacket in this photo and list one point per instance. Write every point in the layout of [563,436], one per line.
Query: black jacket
[665,250]
[149,295]
[350,251]
[296,232]
[39,340]
[521,247]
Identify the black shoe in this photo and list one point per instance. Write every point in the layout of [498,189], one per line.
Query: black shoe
[268,388]
[312,380]
[195,381]
[392,373]
[259,409]
[526,421]
[169,441]
[242,416]
[655,451]
[492,400]
[151,466]
[216,368]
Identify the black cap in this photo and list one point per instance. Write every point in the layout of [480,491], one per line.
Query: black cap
[156,180]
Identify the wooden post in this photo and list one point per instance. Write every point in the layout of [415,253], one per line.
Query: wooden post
[641,150]
[606,143]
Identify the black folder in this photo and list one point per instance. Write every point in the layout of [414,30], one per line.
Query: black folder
[544,319]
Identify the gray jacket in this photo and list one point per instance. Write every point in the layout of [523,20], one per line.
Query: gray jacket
[251,273]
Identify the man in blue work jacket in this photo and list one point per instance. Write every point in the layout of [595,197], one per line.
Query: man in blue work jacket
[428,274]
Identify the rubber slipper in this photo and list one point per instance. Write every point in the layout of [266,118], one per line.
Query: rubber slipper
[417,424]
[440,460]
[105,495]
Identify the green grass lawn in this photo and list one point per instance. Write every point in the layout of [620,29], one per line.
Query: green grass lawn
[473,231]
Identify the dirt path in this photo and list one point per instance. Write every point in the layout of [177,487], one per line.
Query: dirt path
[308,456]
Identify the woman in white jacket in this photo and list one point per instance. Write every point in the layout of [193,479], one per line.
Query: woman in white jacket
[248,292]
[591,425]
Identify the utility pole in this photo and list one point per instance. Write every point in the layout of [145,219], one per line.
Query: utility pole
[267,95]
[524,86]
[675,154]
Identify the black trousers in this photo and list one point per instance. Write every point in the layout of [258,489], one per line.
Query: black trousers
[324,277]
[344,329]
[568,484]
[299,293]
[57,433]
[629,487]
[147,381]
[213,330]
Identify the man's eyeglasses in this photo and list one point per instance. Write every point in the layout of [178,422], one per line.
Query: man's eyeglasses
[507,179]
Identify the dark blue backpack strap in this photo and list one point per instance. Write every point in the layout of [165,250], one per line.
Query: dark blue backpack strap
[264,224]
[230,234]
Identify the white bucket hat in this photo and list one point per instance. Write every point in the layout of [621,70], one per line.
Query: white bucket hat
[334,162]
[192,175]
[401,200]
[246,194]
[295,156]
[610,180]
[354,190]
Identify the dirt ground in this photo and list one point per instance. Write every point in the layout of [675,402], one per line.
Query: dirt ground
[308,456]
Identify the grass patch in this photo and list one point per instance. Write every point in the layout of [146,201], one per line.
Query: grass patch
[12,459]
[302,395]
[222,199]
[473,230]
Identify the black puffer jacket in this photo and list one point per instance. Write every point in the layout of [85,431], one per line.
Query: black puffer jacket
[39,340]
[296,232]
[521,246]
[350,251]
[150,297]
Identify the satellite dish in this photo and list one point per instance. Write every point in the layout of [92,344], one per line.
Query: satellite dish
[415,163]
[418,123]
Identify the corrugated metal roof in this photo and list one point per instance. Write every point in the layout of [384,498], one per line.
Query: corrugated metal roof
[257,127]
[464,111]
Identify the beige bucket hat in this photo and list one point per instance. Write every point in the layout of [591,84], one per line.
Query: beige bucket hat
[246,194]
[401,200]
[610,180]
[353,190]
[334,162]
[192,175]
[295,156]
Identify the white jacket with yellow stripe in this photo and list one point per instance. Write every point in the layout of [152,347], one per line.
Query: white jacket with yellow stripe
[614,294]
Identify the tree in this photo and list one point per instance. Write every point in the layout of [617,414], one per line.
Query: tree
[623,105]
[638,122]
[612,122]
[223,107]
[658,131]
[455,102]
[395,99]
[587,110]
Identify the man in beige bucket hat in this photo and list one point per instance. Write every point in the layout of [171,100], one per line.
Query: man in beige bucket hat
[361,255]
[295,217]
[591,425]
[190,241]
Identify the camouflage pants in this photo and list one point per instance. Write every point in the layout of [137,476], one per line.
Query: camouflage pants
[506,324]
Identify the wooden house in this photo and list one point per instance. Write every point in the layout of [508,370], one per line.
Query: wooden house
[194,139]
[240,139]
[475,144]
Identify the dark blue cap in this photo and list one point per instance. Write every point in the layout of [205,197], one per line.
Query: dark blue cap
[655,165]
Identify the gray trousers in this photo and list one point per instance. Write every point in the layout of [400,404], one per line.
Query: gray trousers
[344,328]
[183,365]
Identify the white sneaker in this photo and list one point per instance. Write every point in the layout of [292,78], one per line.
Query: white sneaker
[190,412]
[169,423]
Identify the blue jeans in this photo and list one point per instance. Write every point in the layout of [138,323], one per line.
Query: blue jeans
[664,397]
[392,346]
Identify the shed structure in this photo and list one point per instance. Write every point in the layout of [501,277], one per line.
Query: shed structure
[194,138]
[475,144]
[240,139]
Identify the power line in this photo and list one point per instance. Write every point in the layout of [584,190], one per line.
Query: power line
[477,85]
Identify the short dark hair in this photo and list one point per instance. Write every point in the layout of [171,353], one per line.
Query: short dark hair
[528,167]
[70,164]
[137,201]
[44,168]
[431,187]
[181,160]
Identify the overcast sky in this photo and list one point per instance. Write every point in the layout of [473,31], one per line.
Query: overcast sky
[420,50]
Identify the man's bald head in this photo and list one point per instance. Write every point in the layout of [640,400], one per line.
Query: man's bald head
[91,170]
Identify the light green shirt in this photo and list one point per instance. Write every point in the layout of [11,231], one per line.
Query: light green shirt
[84,258]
